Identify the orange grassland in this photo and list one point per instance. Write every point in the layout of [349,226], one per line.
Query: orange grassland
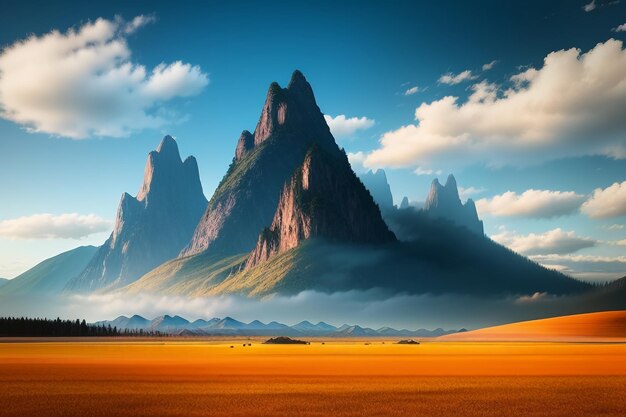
[177,377]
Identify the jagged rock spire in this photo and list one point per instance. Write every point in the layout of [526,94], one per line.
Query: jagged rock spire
[152,227]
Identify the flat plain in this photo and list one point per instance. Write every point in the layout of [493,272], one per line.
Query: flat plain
[206,377]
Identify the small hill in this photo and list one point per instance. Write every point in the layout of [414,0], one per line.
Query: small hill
[282,340]
[51,275]
[606,325]
[3,281]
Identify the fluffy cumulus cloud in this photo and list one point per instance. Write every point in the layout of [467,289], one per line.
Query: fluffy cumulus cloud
[608,202]
[555,241]
[49,226]
[575,104]
[342,126]
[453,79]
[531,203]
[83,83]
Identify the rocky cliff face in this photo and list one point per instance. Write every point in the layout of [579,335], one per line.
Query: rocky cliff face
[376,183]
[325,199]
[443,201]
[246,199]
[152,227]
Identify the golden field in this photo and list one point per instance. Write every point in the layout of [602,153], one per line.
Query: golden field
[192,377]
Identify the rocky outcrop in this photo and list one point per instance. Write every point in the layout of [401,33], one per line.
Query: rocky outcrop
[323,199]
[244,145]
[404,204]
[152,227]
[376,183]
[246,199]
[443,201]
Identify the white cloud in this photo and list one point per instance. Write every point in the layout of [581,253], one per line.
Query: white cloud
[531,203]
[82,83]
[356,161]
[620,28]
[136,23]
[621,242]
[610,202]
[614,227]
[465,193]
[489,65]
[555,241]
[575,104]
[422,171]
[342,126]
[49,226]
[412,90]
[590,6]
[453,79]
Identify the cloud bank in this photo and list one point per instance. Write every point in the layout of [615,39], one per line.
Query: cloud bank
[49,226]
[555,241]
[575,104]
[531,203]
[342,126]
[83,83]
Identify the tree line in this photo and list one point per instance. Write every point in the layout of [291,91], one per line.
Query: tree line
[38,327]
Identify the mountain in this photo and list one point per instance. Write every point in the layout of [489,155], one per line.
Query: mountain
[51,275]
[3,281]
[309,328]
[245,200]
[376,183]
[152,227]
[168,323]
[135,322]
[443,201]
[323,199]
[404,204]
[353,331]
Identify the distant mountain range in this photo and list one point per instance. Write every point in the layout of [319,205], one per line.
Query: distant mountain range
[176,325]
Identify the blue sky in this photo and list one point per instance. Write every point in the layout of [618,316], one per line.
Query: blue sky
[361,58]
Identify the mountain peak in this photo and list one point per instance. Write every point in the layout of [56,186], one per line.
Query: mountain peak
[289,124]
[297,77]
[444,201]
[376,183]
[451,182]
[168,146]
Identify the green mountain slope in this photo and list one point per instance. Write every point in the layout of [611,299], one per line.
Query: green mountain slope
[51,275]
[190,275]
